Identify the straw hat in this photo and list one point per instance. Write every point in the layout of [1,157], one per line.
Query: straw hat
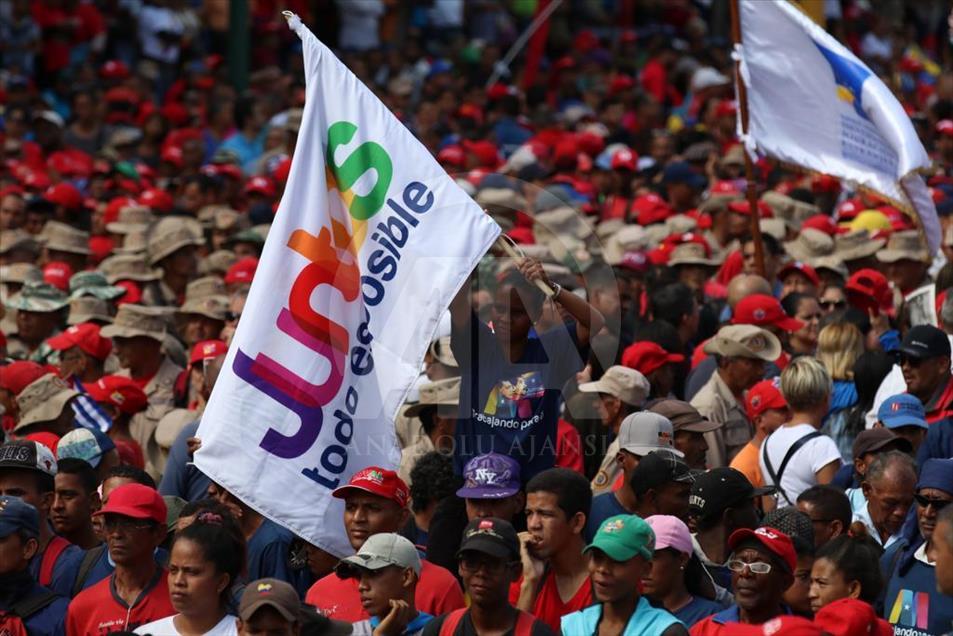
[128,267]
[856,245]
[170,234]
[810,244]
[137,320]
[93,284]
[131,218]
[205,287]
[217,262]
[38,297]
[135,242]
[43,400]
[444,393]
[744,341]
[88,309]
[64,238]
[214,307]
[11,240]
[905,245]
[691,254]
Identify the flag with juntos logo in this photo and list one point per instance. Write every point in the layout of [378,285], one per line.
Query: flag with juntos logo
[369,244]
[813,103]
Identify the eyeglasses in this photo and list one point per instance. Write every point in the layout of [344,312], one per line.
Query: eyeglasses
[757,567]
[926,502]
[832,304]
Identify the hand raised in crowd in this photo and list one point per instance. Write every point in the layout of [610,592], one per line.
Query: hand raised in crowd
[401,613]
[532,567]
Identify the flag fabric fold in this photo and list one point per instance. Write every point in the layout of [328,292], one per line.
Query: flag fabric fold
[813,103]
[369,244]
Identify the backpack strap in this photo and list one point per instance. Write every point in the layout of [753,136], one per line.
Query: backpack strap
[524,624]
[451,622]
[86,566]
[54,549]
[795,447]
[27,607]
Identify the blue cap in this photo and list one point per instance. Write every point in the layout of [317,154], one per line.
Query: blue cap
[16,514]
[902,410]
[682,172]
[937,473]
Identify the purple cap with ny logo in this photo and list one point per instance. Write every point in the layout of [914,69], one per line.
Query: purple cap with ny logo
[490,476]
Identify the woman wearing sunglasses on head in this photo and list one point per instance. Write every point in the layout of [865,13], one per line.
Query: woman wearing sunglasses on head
[912,600]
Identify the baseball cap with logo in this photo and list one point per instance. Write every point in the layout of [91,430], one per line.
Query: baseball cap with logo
[86,444]
[802,268]
[119,391]
[490,476]
[86,337]
[776,542]
[376,481]
[762,310]
[647,357]
[924,342]
[381,550]
[902,410]
[624,383]
[278,595]
[18,515]
[27,455]
[492,536]
[684,416]
[763,396]
[744,341]
[207,350]
[15,376]
[718,489]
[624,537]
[644,432]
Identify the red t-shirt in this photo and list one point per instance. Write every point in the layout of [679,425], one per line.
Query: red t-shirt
[568,447]
[549,607]
[437,593]
[99,610]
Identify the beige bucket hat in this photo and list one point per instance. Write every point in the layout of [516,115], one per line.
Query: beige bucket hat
[856,245]
[64,238]
[217,262]
[214,307]
[131,218]
[810,244]
[170,234]
[630,238]
[622,383]
[691,254]
[137,320]
[88,309]
[42,401]
[12,240]
[133,243]
[744,341]
[204,287]
[444,393]
[831,263]
[440,350]
[906,245]
[128,267]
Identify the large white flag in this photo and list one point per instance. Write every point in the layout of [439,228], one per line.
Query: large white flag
[370,242]
[811,102]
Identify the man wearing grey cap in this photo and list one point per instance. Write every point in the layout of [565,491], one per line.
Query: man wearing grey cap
[387,567]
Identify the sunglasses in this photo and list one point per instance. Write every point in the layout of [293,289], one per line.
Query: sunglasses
[910,361]
[832,304]
[926,502]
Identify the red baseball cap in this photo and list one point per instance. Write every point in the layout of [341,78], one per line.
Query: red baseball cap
[119,391]
[86,336]
[260,185]
[15,376]
[35,181]
[945,127]
[849,616]
[761,310]
[724,187]
[849,209]
[821,223]
[775,541]
[111,214]
[802,268]
[651,208]
[742,207]
[452,155]
[158,200]
[135,501]
[133,292]
[100,247]
[242,271]
[763,396]
[868,289]
[486,153]
[64,194]
[377,481]
[625,159]
[206,350]
[281,170]
[50,440]
[646,357]
[114,69]
[173,155]
[726,108]
[57,274]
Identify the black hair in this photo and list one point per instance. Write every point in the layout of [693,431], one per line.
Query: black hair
[660,332]
[204,505]
[857,557]
[82,469]
[222,543]
[572,490]
[244,108]
[432,480]
[830,502]
[772,245]
[792,301]
[869,371]
[672,303]
[125,471]
[528,292]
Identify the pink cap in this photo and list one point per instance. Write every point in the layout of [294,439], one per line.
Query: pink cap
[670,532]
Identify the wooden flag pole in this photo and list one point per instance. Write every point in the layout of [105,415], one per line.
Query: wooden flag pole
[742,94]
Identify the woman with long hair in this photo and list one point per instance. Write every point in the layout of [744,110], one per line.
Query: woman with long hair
[207,556]
[839,345]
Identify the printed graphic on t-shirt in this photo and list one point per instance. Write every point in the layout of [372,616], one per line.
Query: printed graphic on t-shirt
[512,397]
[911,613]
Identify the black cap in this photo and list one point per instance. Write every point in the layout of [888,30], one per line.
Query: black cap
[661,467]
[492,536]
[925,341]
[719,489]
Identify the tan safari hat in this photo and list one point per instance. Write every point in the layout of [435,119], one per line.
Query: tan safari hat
[42,400]
[137,320]
[440,393]
[620,382]
[744,341]
[905,245]
[64,238]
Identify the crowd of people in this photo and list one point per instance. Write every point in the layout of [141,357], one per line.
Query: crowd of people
[681,437]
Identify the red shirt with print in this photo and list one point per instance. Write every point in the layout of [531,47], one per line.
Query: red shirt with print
[100,610]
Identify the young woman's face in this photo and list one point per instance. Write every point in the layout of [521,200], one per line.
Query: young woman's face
[195,586]
[805,339]
[664,575]
[827,584]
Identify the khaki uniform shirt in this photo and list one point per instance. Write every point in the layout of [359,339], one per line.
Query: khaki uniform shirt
[143,425]
[609,470]
[716,402]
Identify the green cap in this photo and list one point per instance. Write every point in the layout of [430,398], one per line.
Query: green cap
[624,536]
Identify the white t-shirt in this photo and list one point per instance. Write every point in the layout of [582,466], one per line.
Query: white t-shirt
[165,627]
[799,474]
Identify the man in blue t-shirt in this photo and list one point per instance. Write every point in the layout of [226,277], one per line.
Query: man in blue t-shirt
[510,390]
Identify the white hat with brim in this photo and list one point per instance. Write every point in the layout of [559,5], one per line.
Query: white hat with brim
[441,393]
[691,254]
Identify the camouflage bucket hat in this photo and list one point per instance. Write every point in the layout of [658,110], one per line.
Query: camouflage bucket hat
[38,297]
[93,284]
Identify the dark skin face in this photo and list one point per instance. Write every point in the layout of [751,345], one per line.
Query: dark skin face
[615,580]
[366,514]
[694,446]
[889,498]
[182,262]
[319,562]
[72,505]
[487,579]
[550,529]
[199,328]
[757,592]
[131,541]
[377,587]
[267,622]
[34,327]
[16,552]
[511,320]
[137,352]
[824,529]
[665,574]
[662,380]
[506,508]
[924,376]
[743,373]
[906,274]
[797,597]
[23,484]
[926,515]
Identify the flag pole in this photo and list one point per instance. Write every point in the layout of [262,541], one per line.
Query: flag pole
[751,190]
